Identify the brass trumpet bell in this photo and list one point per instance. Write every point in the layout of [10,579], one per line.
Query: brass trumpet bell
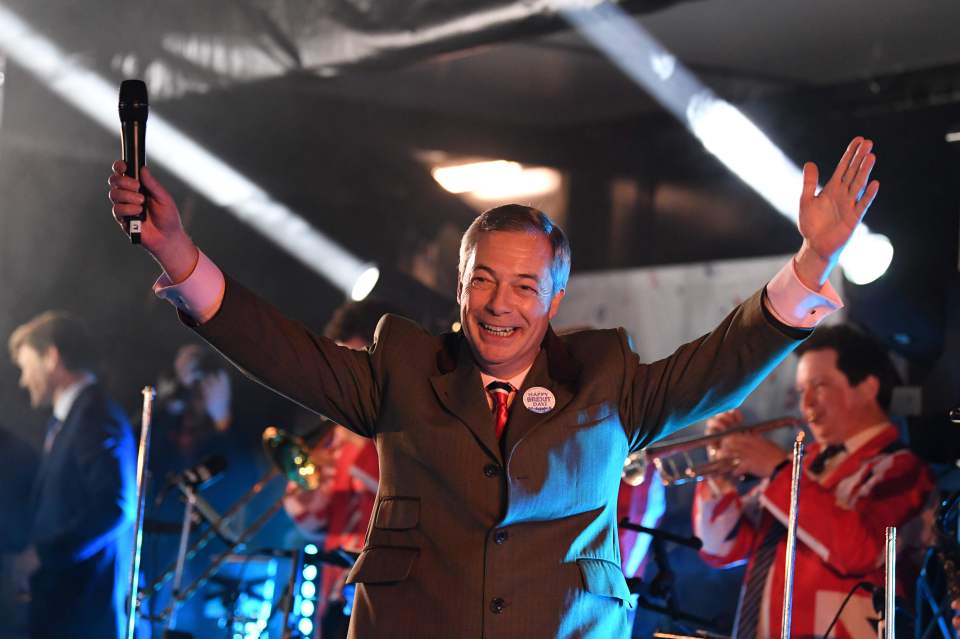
[674,463]
[291,456]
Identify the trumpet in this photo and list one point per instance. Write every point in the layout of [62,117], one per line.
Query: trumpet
[674,463]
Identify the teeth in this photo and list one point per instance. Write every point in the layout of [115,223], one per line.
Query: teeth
[502,332]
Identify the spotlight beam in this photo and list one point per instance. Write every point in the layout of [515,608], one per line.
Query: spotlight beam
[207,174]
[724,130]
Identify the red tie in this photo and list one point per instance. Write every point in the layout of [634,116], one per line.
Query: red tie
[500,394]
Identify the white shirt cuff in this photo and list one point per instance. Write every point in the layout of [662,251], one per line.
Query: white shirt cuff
[796,305]
[200,295]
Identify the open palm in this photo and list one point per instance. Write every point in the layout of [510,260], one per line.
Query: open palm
[828,219]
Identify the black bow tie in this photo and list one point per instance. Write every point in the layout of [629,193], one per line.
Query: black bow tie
[820,461]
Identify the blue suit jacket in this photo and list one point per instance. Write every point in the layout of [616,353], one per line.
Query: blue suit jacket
[84,501]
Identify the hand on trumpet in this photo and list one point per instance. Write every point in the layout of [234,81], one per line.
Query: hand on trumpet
[751,454]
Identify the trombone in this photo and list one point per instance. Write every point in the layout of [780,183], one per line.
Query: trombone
[674,463]
[290,457]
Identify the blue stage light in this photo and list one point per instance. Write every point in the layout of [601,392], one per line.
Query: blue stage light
[308,590]
[307,608]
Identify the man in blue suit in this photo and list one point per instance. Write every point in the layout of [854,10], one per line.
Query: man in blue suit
[84,496]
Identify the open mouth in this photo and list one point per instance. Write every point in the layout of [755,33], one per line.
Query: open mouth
[498,331]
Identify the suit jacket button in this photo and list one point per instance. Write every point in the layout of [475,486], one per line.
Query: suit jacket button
[491,470]
[500,536]
[497,605]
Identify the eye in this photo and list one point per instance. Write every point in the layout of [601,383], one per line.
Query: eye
[479,281]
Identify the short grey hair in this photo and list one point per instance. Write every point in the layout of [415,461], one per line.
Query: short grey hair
[517,217]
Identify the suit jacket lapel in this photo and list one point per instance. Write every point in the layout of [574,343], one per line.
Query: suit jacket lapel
[60,440]
[852,462]
[461,392]
[554,369]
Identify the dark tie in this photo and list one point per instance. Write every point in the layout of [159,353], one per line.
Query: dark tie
[53,428]
[500,394]
[748,615]
[819,462]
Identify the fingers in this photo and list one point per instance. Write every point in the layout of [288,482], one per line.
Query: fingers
[867,199]
[811,177]
[856,162]
[863,173]
[846,159]
[724,421]
[154,188]
[124,194]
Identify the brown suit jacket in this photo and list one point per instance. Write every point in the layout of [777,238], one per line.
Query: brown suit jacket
[470,538]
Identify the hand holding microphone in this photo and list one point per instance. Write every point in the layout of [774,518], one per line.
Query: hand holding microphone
[160,230]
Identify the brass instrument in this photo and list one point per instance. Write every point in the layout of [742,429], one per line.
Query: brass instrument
[290,457]
[674,463]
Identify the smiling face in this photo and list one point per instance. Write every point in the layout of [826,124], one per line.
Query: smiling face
[506,299]
[833,408]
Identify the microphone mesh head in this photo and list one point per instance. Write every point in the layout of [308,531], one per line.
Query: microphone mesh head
[133,100]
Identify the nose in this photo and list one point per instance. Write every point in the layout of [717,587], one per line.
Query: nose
[499,301]
[806,399]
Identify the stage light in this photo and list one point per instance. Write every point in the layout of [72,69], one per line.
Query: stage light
[496,179]
[308,590]
[365,283]
[307,608]
[310,572]
[170,148]
[305,627]
[724,130]
[866,258]
[311,549]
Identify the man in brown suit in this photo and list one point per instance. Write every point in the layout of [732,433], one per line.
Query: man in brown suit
[486,529]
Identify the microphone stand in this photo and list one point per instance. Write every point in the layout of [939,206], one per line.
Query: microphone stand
[887,630]
[194,504]
[662,585]
[143,453]
[191,501]
[787,612]
[690,542]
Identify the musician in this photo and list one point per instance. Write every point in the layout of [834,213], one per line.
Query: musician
[857,479]
[501,446]
[337,513]
[84,495]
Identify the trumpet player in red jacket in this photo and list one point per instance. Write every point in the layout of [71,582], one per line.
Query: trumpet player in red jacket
[857,479]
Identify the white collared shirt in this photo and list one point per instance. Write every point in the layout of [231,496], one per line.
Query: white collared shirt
[66,398]
[516,381]
[853,443]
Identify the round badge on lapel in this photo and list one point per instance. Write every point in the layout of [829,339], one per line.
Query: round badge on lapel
[538,399]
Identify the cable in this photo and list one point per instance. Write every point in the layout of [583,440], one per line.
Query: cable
[869,587]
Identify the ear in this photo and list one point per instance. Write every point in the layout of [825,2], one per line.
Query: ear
[51,358]
[555,303]
[869,388]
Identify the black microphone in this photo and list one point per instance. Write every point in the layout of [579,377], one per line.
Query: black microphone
[133,130]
